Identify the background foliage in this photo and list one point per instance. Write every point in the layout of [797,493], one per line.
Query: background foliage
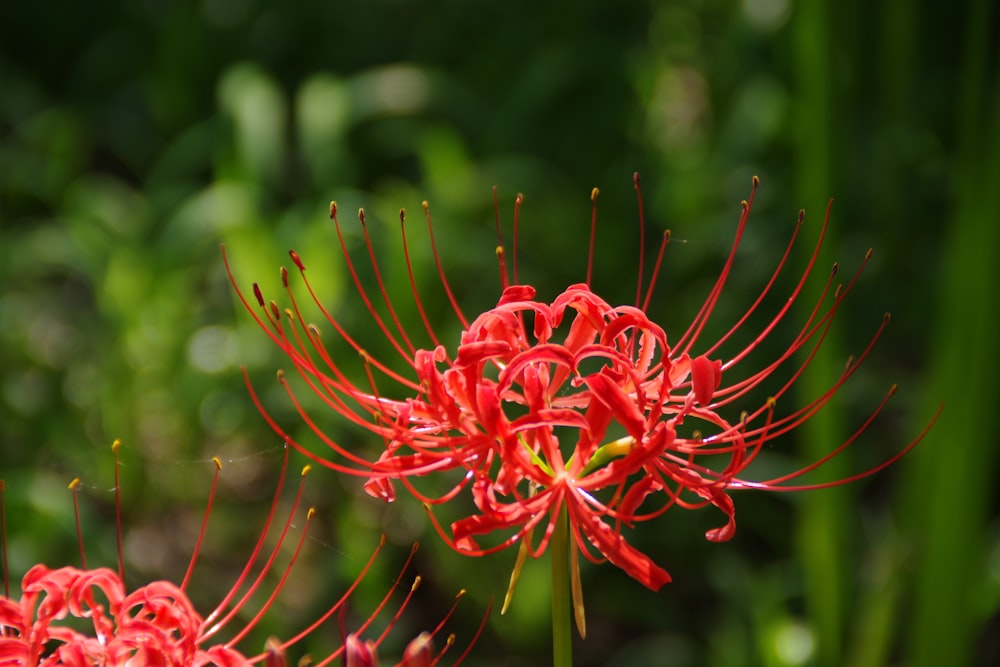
[135,137]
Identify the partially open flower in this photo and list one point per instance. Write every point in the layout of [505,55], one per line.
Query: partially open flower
[571,406]
[156,624]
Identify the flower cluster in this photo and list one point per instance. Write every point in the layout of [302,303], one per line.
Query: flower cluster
[153,625]
[157,625]
[574,406]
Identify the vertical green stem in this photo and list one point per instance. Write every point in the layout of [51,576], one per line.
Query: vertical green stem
[562,638]
[823,532]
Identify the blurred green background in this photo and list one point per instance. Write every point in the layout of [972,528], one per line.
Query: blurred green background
[135,137]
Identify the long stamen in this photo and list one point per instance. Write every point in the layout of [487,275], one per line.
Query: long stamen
[690,336]
[332,320]
[378,609]
[475,637]
[118,511]
[381,285]
[204,522]
[281,582]
[399,610]
[518,200]
[74,486]
[413,283]
[357,282]
[593,234]
[292,443]
[440,268]
[338,604]
[266,567]
[656,269]
[767,288]
[642,239]
[257,547]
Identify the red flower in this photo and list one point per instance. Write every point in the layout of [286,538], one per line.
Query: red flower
[573,405]
[157,625]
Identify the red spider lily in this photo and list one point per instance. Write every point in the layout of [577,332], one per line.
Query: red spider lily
[571,406]
[157,625]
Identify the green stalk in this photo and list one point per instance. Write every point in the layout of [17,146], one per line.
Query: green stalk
[562,638]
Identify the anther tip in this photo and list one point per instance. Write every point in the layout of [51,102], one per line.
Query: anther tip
[361,215]
[756,180]
[218,462]
[298,260]
[74,484]
[116,445]
[594,193]
[305,469]
[333,210]
[402,215]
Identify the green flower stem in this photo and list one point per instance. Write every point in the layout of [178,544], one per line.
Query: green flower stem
[562,638]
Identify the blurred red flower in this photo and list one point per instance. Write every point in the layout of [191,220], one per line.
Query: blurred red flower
[157,625]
